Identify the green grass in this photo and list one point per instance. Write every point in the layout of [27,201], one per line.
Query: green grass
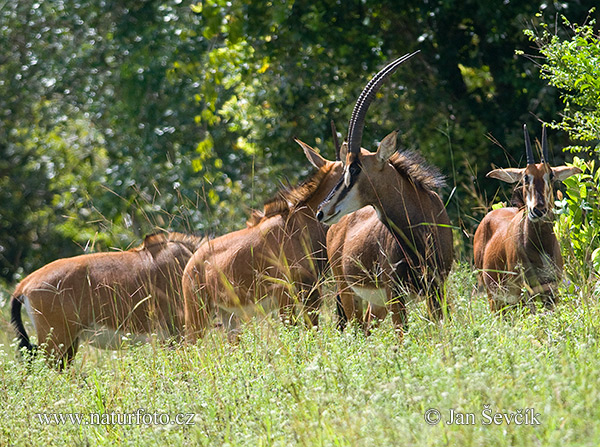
[282,385]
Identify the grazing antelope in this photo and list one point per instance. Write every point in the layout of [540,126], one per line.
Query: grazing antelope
[516,246]
[103,295]
[272,264]
[414,252]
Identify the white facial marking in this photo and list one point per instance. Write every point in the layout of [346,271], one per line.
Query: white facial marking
[347,177]
[530,200]
[531,195]
[349,204]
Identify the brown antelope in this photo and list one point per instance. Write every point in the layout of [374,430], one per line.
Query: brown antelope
[272,264]
[414,252]
[515,248]
[362,226]
[103,295]
[358,248]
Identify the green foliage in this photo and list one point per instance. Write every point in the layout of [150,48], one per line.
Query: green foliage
[97,134]
[573,66]
[578,223]
[466,83]
[47,197]
[192,110]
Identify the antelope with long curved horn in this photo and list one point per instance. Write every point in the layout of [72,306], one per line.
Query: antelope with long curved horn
[362,248]
[415,237]
[515,248]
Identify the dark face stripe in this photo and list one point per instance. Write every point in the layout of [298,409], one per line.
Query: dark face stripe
[354,169]
[538,194]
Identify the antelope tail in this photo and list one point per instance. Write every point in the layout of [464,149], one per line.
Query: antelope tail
[17,322]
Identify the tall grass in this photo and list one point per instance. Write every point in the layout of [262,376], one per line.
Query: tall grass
[289,385]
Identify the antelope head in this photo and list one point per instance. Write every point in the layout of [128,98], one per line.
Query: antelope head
[537,179]
[329,173]
[358,185]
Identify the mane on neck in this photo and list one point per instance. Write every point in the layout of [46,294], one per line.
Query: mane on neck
[288,199]
[413,166]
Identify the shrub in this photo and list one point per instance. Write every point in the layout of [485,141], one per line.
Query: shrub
[578,222]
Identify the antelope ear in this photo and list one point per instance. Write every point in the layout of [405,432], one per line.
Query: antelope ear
[562,172]
[508,175]
[344,152]
[387,147]
[313,156]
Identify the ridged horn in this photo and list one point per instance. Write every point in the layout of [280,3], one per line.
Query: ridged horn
[528,151]
[545,156]
[357,120]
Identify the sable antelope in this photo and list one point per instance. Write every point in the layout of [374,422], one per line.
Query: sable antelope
[418,253]
[272,264]
[516,247]
[102,295]
[356,235]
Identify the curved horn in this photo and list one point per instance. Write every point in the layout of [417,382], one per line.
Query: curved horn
[357,120]
[528,150]
[545,157]
[336,143]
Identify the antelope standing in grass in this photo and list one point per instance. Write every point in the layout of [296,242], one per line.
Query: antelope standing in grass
[414,252]
[272,264]
[515,248]
[345,254]
[103,295]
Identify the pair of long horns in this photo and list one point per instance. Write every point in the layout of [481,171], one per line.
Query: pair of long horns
[529,151]
[357,120]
